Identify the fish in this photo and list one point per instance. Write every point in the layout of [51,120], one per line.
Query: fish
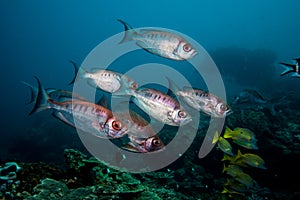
[144,145]
[245,179]
[141,135]
[252,99]
[237,173]
[53,93]
[232,170]
[222,144]
[235,186]
[242,137]
[291,68]
[89,117]
[162,43]
[231,192]
[246,160]
[249,96]
[201,100]
[161,106]
[108,81]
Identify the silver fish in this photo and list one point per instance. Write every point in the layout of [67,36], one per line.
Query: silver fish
[161,107]
[161,43]
[202,101]
[90,117]
[106,80]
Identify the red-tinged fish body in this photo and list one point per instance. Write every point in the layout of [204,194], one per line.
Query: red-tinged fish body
[84,115]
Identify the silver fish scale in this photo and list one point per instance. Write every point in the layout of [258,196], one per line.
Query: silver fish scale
[83,113]
[159,97]
[164,43]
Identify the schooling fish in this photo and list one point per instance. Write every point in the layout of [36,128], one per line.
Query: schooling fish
[241,136]
[161,107]
[291,68]
[201,100]
[89,117]
[161,43]
[246,160]
[141,135]
[223,144]
[106,80]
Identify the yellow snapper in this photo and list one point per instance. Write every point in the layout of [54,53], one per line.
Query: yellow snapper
[231,193]
[245,179]
[232,170]
[242,137]
[161,106]
[108,81]
[234,185]
[222,144]
[161,43]
[246,160]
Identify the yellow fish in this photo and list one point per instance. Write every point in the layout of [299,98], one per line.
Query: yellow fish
[245,179]
[232,170]
[234,185]
[223,144]
[230,193]
[242,136]
[246,160]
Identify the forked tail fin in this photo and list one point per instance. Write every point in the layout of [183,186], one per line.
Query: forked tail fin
[79,72]
[41,100]
[129,32]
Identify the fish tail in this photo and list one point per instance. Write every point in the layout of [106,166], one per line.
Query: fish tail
[41,100]
[79,71]
[224,168]
[33,92]
[226,157]
[216,138]
[129,32]
[288,68]
[172,86]
[227,133]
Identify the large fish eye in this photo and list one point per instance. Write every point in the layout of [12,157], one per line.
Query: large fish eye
[116,125]
[134,86]
[156,142]
[182,114]
[223,107]
[187,47]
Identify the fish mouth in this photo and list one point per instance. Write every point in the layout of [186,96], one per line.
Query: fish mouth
[194,53]
[228,112]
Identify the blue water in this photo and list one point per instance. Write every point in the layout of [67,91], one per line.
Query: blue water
[246,39]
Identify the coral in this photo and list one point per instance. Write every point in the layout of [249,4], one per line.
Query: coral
[9,171]
[49,189]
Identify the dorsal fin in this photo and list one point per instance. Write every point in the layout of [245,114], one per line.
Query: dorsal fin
[103,101]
